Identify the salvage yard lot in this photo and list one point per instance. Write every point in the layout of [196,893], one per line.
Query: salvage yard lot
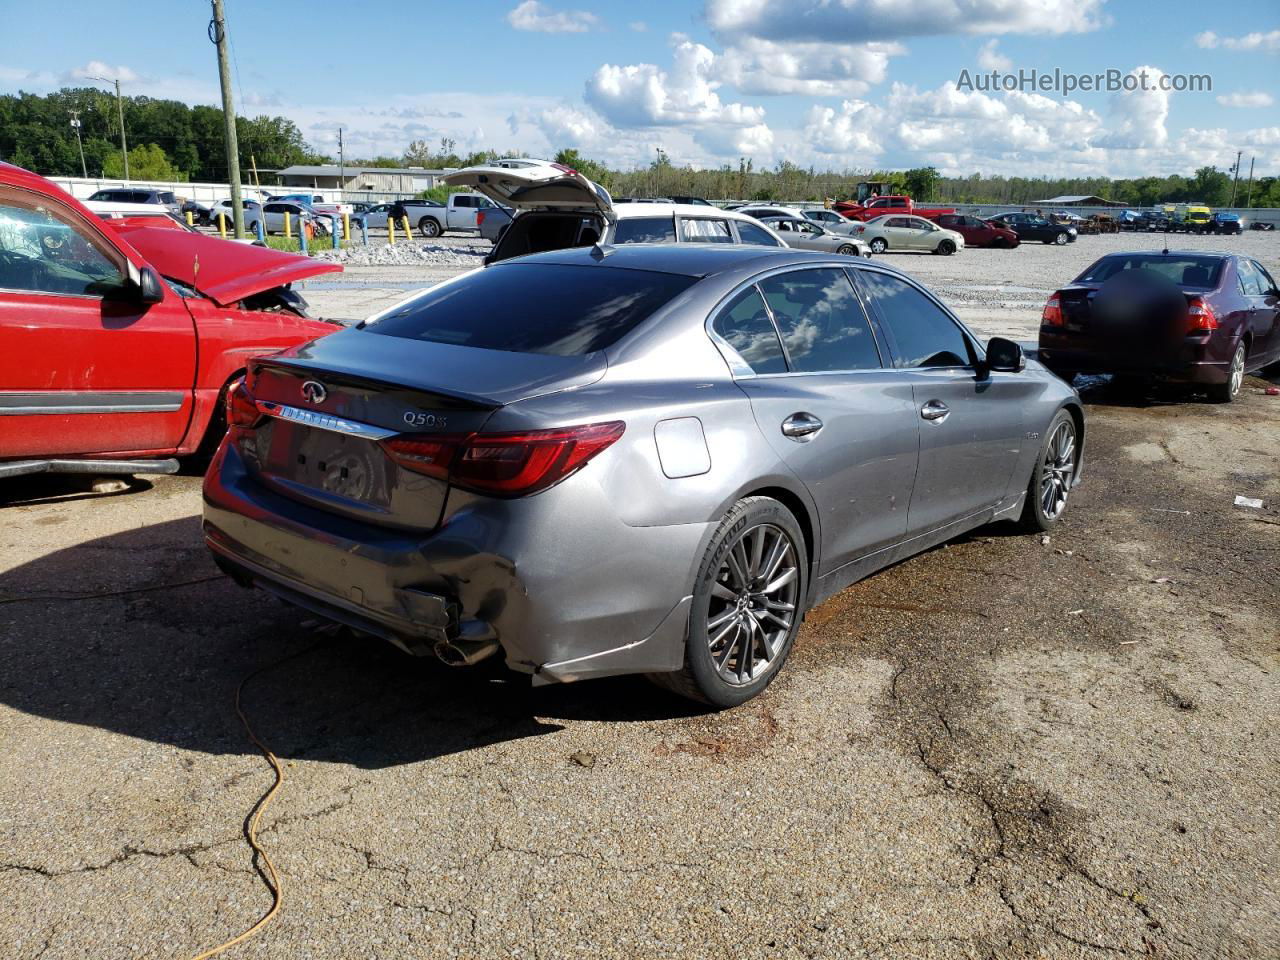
[1002,748]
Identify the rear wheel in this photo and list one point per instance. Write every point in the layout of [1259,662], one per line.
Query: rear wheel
[1226,392]
[878,245]
[946,248]
[747,602]
[429,227]
[1051,479]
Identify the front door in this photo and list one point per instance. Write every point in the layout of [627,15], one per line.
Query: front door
[84,367]
[971,428]
[1264,309]
[834,414]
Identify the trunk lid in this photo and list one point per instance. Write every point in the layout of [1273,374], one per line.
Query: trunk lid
[330,406]
[535,185]
[224,271]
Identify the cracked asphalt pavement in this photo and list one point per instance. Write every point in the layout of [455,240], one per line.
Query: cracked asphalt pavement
[1004,748]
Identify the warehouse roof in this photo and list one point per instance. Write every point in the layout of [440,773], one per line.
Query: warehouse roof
[333,170]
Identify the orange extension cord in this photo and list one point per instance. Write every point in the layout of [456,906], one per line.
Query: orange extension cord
[272,878]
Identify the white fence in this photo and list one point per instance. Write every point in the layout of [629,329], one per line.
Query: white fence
[206,193]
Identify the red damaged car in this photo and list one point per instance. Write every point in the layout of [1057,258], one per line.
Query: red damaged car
[976,231]
[118,338]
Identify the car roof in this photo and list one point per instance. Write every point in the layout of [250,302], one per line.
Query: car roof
[687,259]
[1213,254]
[630,211]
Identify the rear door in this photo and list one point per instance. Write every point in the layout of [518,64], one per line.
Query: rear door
[84,367]
[842,421]
[462,212]
[971,428]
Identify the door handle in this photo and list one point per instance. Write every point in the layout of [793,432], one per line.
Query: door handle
[801,427]
[935,410]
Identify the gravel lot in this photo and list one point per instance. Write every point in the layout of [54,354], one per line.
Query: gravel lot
[1004,748]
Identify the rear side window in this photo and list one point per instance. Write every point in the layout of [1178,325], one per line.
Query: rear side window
[750,233]
[645,230]
[167,198]
[923,334]
[561,309]
[697,230]
[1250,280]
[821,321]
[745,325]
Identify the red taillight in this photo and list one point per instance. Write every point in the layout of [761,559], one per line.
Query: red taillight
[1052,316]
[1200,316]
[504,464]
[241,409]
[479,219]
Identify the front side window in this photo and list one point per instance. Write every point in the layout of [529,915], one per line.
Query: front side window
[560,309]
[43,251]
[924,335]
[697,230]
[821,321]
[744,324]
[750,233]
[645,230]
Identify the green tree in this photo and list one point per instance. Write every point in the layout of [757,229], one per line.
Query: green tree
[146,162]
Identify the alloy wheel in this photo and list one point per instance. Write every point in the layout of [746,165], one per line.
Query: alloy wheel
[1057,469]
[753,603]
[1237,370]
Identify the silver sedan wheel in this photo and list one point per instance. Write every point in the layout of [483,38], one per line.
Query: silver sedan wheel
[753,603]
[1237,370]
[1057,470]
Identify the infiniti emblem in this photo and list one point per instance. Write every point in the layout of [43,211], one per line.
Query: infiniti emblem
[314,392]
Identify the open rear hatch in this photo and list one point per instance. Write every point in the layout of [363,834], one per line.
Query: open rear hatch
[535,185]
[341,416]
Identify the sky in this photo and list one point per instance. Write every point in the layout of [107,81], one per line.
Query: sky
[835,84]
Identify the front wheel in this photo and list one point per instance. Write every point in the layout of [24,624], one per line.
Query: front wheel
[946,248]
[847,250]
[1226,392]
[1052,477]
[878,245]
[1061,239]
[747,603]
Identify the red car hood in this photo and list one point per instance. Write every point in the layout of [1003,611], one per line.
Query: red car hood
[222,270]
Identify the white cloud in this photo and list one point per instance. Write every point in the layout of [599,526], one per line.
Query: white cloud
[539,18]
[857,21]
[1137,117]
[643,94]
[989,59]
[639,26]
[96,68]
[1255,98]
[846,132]
[1268,42]
[758,66]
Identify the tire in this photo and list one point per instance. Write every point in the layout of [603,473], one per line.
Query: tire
[1052,475]
[1061,239]
[1226,392]
[847,250]
[429,227]
[879,245]
[946,248]
[723,666]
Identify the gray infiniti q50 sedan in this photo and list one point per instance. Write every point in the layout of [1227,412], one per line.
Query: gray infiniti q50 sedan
[645,459]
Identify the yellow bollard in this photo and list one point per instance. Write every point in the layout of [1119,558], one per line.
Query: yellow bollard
[391,230]
[191,219]
[222,224]
[408,234]
[288,228]
[346,226]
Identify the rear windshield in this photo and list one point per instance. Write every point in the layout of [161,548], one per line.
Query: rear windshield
[560,309]
[1184,270]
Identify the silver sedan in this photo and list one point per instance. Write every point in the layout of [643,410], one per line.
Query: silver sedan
[676,452]
[803,234]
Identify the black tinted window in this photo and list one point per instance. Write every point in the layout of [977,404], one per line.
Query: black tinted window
[750,233]
[645,230]
[745,326]
[560,309]
[1186,271]
[821,321]
[924,335]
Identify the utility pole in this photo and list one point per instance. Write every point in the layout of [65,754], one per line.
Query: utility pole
[1235,182]
[218,36]
[342,169]
[75,125]
[1248,200]
[124,146]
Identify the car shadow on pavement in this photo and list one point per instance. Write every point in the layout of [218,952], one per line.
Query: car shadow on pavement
[40,488]
[138,633]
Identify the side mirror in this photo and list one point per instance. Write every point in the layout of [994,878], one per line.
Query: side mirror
[150,289]
[1005,356]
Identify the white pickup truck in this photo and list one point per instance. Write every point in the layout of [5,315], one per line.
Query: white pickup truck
[318,202]
[430,218]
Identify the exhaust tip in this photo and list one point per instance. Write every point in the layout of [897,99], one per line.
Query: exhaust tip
[464,653]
